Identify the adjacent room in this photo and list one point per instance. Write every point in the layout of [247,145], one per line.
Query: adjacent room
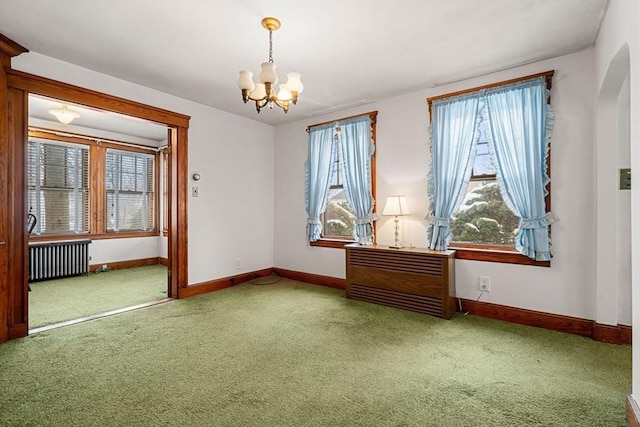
[423,215]
[97,203]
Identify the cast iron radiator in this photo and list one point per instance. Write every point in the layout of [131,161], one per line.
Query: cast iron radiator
[54,260]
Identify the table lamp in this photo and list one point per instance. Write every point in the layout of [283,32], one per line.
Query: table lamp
[396,206]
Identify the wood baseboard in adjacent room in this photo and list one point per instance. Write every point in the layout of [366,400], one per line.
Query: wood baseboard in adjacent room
[625,334]
[633,412]
[618,334]
[222,283]
[117,265]
[606,333]
[315,279]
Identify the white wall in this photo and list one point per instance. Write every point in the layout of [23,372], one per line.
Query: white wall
[233,216]
[619,31]
[623,209]
[567,287]
[106,251]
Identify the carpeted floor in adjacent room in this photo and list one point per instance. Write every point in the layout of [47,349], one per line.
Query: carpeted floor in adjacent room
[54,301]
[293,354]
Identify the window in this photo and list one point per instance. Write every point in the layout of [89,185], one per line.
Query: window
[339,219]
[58,186]
[76,186]
[483,217]
[130,191]
[484,228]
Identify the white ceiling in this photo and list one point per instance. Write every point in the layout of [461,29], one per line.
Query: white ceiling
[97,123]
[349,52]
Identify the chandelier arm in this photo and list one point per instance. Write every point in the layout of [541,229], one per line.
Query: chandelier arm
[261,103]
[282,104]
[259,99]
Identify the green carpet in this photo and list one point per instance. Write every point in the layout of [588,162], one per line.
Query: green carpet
[59,300]
[292,354]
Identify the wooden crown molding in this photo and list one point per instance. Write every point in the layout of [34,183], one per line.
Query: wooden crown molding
[64,91]
[10,48]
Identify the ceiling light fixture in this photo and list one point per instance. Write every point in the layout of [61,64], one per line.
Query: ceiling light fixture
[263,93]
[65,116]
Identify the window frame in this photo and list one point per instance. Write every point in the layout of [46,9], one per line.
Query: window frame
[38,188]
[499,253]
[97,191]
[332,241]
[120,194]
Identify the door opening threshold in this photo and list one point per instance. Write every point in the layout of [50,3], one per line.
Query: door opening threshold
[98,316]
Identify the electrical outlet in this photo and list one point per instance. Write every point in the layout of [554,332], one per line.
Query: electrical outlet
[484,283]
[195,192]
[238,264]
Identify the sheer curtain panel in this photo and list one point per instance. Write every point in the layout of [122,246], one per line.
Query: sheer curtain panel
[452,146]
[519,122]
[317,176]
[357,149]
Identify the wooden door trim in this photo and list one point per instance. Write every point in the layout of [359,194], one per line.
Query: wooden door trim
[64,91]
[16,133]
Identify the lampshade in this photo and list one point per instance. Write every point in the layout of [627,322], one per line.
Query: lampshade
[259,92]
[64,115]
[268,73]
[294,84]
[246,81]
[396,206]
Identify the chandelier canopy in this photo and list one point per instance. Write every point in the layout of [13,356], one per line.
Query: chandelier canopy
[263,93]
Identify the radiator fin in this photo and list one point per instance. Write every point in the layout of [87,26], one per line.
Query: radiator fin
[402,261]
[54,260]
[418,303]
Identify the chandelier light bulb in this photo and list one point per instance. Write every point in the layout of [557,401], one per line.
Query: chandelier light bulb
[259,92]
[283,93]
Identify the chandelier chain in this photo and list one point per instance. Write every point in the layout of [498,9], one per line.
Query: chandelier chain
[270,46]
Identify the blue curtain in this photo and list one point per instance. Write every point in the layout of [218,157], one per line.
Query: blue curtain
[518,127]
[453,139]
[357,149]
[317,175]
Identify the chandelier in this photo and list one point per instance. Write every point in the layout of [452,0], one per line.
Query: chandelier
[263,93]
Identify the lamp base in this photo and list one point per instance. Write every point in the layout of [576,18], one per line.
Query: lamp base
[396,247]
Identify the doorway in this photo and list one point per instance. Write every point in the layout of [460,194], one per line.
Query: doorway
[20,85]
[96,194]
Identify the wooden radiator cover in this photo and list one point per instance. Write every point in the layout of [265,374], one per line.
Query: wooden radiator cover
[412,279]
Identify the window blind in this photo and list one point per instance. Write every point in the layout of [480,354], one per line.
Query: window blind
[130,191]
[58,186]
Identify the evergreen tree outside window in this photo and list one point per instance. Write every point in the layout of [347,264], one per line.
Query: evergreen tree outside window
[483,217]
[338,220]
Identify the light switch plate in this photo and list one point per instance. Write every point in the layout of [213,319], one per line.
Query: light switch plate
[625,179]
